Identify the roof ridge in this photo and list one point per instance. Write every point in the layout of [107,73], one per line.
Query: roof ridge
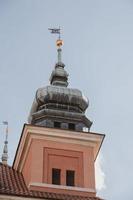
[5,165]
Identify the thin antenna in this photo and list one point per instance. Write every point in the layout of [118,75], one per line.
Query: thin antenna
[4,157]
[59,33]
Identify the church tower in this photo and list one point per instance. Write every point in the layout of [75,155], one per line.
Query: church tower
[57,151]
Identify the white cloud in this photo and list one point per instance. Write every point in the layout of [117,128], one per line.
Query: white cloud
[99,174]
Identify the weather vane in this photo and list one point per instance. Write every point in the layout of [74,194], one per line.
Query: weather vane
[59,42]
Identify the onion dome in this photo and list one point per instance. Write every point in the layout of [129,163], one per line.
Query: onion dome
[58,106]
[67,97]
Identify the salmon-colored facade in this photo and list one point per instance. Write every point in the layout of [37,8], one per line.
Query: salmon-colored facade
[46,156]
[43,149]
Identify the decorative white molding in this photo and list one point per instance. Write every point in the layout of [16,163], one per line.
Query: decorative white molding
[66,136]
[62,187]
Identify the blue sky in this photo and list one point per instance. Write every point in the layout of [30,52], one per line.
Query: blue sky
[98,54]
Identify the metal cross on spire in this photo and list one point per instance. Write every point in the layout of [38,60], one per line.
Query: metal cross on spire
[4,157]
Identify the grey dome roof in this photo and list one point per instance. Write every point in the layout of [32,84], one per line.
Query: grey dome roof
[61,95]
[57,102]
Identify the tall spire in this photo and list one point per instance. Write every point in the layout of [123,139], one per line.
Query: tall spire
[59,55]
[4,157]
[59,76]
[57,102]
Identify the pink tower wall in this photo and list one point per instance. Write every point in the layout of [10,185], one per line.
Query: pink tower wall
[43,155]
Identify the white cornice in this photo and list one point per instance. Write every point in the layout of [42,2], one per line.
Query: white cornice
[72,137]
[62,187]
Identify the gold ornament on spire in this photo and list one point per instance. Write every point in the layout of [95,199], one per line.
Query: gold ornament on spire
[59,42]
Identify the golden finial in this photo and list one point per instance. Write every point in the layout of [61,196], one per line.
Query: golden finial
[59,42]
